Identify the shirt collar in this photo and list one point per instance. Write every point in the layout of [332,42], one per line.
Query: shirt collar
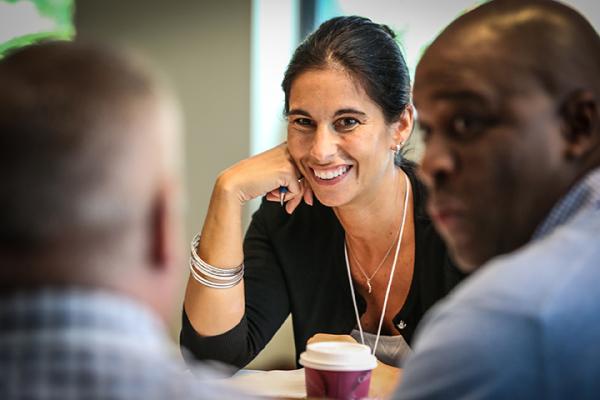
[584,195]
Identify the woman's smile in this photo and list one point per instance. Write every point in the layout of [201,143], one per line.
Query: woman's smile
[330,176]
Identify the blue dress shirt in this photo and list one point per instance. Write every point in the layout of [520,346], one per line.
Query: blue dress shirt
[527,324]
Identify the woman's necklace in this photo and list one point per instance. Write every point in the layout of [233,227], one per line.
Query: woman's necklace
[360,268]
[389,286]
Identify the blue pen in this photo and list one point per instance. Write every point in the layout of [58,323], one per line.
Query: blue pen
[282,191]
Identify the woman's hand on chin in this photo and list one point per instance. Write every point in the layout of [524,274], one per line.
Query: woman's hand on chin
[263,174]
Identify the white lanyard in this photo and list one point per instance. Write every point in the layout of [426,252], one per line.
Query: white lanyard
[389,286]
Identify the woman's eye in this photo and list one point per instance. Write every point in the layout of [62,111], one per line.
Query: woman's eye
[345,124]
[302,122]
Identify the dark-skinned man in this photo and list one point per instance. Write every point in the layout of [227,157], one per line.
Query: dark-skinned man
[508,97]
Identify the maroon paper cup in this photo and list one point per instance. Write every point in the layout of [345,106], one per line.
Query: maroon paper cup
[337,384]
[337,370]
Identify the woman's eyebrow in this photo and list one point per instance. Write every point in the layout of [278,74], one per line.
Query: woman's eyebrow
[349,111]
[298,111]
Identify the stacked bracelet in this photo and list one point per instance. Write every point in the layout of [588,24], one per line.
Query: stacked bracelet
[211,276]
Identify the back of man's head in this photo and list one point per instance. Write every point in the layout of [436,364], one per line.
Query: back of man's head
[88,150]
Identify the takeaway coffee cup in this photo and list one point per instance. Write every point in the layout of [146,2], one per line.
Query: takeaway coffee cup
[337,370]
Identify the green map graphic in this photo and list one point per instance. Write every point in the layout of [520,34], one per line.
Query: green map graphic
[23,22]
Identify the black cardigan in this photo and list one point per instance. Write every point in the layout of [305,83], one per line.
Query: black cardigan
[295,263]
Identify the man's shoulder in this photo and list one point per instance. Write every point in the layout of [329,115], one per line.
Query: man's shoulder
[101,369]
[540,276]
[522,319]
[544,286]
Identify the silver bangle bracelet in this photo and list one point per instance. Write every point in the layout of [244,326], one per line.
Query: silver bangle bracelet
[206,267]
[209,270]
[211,276]
[215,285]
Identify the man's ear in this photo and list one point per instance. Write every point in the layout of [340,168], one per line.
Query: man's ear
[161,251]
[404,125]
[581,124]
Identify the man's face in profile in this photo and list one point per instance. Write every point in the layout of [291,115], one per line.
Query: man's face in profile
[493,145]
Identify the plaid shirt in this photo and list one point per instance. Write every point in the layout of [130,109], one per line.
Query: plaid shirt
[77,344]
[583,196]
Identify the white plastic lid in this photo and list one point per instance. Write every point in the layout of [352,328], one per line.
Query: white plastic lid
[338,356]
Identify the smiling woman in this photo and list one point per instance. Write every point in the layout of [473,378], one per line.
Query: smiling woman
[353,252]
[337,134]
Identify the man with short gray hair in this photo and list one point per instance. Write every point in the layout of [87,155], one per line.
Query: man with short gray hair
[90,203]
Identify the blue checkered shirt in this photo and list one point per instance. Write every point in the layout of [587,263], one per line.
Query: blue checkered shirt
[583,196]
[76,344]
[524,326]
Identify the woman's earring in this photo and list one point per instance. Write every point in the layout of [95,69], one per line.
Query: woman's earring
[397,150]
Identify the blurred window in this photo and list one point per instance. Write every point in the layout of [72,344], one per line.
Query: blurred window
[416,23]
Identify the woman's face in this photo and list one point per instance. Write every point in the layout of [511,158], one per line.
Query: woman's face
[338,137]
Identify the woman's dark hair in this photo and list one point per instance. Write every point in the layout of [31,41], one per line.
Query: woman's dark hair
[368,51]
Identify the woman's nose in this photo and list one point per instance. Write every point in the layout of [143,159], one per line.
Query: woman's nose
[324,144]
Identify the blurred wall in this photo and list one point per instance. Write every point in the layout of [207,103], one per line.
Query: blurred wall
[203,47]
[204,50]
